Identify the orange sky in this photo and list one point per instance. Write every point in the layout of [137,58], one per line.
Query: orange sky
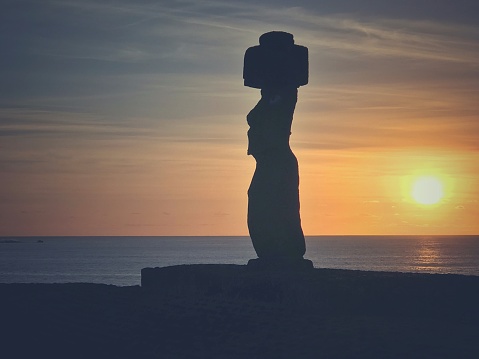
[131,120]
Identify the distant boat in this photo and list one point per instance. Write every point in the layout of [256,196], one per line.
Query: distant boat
[40,241]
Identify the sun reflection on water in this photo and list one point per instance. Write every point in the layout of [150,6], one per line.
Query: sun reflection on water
[428,256]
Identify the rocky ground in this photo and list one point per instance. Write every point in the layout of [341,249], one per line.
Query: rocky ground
[231,311]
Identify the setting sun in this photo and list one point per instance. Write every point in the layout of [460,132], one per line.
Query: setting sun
[427,190]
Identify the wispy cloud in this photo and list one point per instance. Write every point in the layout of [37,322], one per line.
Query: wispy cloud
[126,97]
[159,56]
[218,24]
[31,122]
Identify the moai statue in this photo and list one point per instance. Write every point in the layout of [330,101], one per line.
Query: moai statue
[278,67]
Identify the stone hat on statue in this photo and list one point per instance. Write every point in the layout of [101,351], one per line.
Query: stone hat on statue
[276,62]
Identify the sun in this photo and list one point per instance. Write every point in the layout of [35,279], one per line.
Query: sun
[427,190]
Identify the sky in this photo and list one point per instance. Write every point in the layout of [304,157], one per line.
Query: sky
[129,117]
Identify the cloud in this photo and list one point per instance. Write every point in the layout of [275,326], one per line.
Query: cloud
[140,61]
[209,36]
[142,102]
[138,32]
[27,122]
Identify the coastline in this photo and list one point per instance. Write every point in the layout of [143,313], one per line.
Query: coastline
[229,311]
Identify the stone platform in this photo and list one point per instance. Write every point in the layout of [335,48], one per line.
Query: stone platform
[235,311]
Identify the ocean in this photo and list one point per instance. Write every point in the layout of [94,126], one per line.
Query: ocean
[119,260]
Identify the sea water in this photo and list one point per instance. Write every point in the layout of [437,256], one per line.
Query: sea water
[119,260]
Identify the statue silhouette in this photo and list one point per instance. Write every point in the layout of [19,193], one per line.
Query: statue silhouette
[278,67]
